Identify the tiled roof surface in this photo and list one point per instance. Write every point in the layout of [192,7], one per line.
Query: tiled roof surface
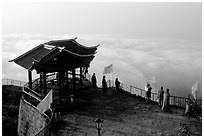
[58,54]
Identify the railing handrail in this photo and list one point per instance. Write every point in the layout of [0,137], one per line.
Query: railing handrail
[175,100]
[37,109]
[36,82]
[33,94]
[13,80]
[44,114]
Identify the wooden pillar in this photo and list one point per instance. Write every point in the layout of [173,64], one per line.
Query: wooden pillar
[41,80]
[60,86]
[30,79]
[63,78]
[74,82]
[44,83]
[80,80]
[66,77]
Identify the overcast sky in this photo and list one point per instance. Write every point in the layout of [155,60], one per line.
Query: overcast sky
[171,20]
[139,39]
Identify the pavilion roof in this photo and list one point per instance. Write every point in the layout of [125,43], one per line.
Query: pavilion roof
[73,46]
[57,55]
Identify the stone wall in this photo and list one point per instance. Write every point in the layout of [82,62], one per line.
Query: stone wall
[30,120]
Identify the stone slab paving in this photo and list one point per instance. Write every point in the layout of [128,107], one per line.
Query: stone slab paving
[124,115]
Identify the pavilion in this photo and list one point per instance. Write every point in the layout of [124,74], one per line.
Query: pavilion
[61,56]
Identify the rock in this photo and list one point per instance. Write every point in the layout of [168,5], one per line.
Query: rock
[159,134]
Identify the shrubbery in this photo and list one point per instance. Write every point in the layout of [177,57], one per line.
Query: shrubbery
[10,106]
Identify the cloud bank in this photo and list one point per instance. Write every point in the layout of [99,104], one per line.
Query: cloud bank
[177,64]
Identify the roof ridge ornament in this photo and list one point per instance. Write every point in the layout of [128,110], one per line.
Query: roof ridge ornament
[49,47]
[61,48]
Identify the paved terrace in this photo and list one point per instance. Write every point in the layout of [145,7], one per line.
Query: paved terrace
[123,115]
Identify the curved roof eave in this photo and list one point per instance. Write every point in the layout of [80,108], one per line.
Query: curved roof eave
[41,54]
[75,54]
[35,48]
[74,41]
[59,51]
[92,47]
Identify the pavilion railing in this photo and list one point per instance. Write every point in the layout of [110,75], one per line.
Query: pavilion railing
[174,100]
[34,99]
[31,97]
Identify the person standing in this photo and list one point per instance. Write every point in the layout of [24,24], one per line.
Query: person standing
[149,89]
[117,86]
[188,105]
[146,89]
[166,104]
[104,85]
[94,83]
[160,97]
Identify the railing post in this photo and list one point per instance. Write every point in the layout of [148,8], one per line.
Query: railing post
[74,82]
[174,101]
[153,96]
[141,92]
[179,101]
[44,84]
[80,76]
[30,79]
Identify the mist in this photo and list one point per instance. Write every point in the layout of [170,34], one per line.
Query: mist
[177,64]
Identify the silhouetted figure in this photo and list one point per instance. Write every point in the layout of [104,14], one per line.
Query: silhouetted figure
[192,108]
[104,85]
[166,104]
[117,86]
[148,90]
[160,97]
[93,83]
[189,105]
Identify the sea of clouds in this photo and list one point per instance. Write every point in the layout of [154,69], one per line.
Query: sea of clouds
[177,64]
